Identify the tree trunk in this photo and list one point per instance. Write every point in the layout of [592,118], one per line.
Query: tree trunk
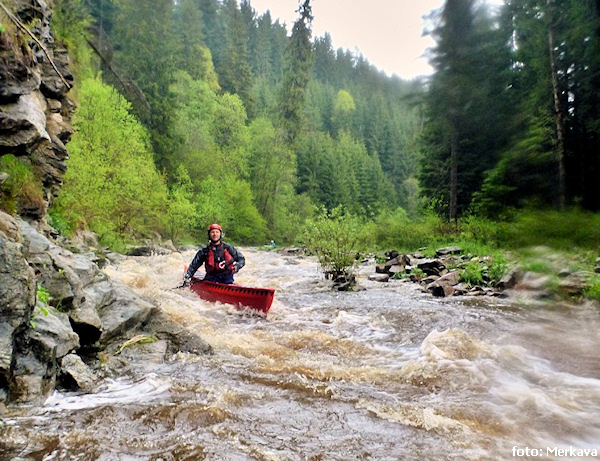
[558,112]
[453,210]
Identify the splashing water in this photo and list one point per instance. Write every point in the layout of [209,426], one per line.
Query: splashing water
[385,373]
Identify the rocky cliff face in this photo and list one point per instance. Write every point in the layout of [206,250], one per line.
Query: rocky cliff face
[43,341]
[35,111]
[34,126]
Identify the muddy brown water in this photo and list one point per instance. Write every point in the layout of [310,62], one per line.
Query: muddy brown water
[386,373]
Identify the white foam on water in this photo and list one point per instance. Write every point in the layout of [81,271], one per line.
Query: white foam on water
[113,392]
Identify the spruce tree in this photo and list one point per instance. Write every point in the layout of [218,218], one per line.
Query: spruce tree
[297,70]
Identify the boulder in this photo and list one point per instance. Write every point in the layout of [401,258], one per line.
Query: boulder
[444,286]
[533,281]
[32,378]
[510,279]
[52,330]
[400,260]
[432,267]
[573,285]
[35,358]
[452,250]
[76,375]
[127,312]
[23,122]
[17,295]
[379,277]
[179,339]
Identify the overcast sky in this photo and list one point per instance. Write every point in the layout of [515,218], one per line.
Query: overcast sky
[388,33]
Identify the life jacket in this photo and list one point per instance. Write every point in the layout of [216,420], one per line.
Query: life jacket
[218,258]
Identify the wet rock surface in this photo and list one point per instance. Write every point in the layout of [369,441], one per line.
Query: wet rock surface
[60,340]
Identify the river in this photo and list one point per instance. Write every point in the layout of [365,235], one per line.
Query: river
[385,373]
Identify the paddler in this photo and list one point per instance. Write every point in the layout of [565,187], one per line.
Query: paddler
[220,259]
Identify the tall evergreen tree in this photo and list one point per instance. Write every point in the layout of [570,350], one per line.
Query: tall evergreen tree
[235,72]
[195,57]
[213,28]
[298,65]
[147,53]
[554,88]
[466,116]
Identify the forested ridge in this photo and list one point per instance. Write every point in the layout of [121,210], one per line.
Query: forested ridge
[197,111]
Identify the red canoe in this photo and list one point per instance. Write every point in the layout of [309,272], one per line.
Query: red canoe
[259,299]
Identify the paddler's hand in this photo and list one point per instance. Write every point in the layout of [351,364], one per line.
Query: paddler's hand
[233,267]
[187,281]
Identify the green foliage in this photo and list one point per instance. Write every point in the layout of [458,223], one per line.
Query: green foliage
[473,274]
[229,202]
[22,190]
[521,178]
[209,131]
[343,108]
[467,105]
[181,217]
[482,272]
[298,63]
[395,229]
[341,172]
[111,185]
[70,22]
[195,57]
[42,294]
[557,229]
[235,72]
[592,289]
[337,239]
[59,222]
[272,176]
[43,298]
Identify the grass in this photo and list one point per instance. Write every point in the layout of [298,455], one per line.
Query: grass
[22,190]
[546,242]
[592,291]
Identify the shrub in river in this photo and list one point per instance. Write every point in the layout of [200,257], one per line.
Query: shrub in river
[336,238]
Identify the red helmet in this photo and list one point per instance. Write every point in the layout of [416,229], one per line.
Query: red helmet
[215,226]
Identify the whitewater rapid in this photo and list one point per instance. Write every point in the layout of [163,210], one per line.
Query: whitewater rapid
[384,373]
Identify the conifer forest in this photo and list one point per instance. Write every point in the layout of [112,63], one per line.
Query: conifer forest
[198,111]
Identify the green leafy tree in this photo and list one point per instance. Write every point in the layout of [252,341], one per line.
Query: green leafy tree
[316,167]
[70,22]
[343,109]
[192,128]
[552,86]
[111,185]
[272,170]
[181,218]
[209,130]
[147,53]
[229,202]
